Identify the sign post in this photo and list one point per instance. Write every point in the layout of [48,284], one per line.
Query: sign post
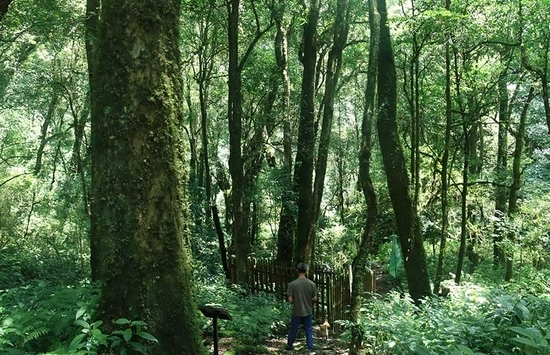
[215,313]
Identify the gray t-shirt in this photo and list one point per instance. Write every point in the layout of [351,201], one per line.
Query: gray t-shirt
[302,290]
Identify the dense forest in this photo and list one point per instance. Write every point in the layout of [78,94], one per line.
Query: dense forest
[151,151]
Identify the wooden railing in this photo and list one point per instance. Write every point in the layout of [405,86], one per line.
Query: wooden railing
[333,286]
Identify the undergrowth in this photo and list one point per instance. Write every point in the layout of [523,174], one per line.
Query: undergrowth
[255,317]
[504,319]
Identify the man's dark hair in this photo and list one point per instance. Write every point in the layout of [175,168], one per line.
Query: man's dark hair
[302,267]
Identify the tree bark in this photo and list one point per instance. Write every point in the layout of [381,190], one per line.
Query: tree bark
[239,226]
[463,202]
[501,165]
[359,265]
[303,167]
[334,65]
[408,229]
[139,223]
[516,176]
[4,6]
[287,219]
[445,164]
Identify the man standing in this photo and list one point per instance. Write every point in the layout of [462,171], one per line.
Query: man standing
[302,293]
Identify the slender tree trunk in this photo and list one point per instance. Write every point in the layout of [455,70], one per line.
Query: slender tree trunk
[139,222]
[77,162]
[414,108]
[334,65]
[408,227]
[287,220]
[239,227]
[516,174]
[445,164]
[44,129]
[463,202]
[519,136]
[303,167]
[359,265]
[501,166]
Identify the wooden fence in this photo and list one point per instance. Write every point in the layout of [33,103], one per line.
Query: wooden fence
[333,286]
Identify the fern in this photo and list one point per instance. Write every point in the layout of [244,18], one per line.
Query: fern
[39,316]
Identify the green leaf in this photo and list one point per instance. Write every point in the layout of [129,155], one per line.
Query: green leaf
[147,336]
[140,348]
[96,324]
[80,312]
[75,343]
[529,333]
[122,321]
[96,333]
[127,334]
[525,341]
[464,349]
[82,323]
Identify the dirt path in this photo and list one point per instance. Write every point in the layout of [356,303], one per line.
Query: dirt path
[277,346]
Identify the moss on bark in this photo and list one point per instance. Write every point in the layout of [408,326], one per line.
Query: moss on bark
[139,218]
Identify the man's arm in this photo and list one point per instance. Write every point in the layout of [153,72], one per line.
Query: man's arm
[290,299]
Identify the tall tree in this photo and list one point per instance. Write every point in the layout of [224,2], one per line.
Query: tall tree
[519,135]
[501,172]
[239,226]
[445,161]
[359,266]
[139,222]
[287,221]
[333,69]
[303,167]
[407,222]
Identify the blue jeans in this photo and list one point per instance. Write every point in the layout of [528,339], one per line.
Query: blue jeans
[295,322]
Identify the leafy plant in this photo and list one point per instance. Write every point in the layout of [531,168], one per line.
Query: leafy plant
[128,338]
[532,340]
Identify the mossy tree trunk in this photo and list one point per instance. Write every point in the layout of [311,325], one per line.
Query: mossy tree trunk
[408,227]
[139,235]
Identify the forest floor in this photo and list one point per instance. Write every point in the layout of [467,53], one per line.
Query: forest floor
[227,346]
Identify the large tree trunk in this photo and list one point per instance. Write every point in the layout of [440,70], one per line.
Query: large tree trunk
[139,223]
[359,266]
[303,168]
[408,227]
